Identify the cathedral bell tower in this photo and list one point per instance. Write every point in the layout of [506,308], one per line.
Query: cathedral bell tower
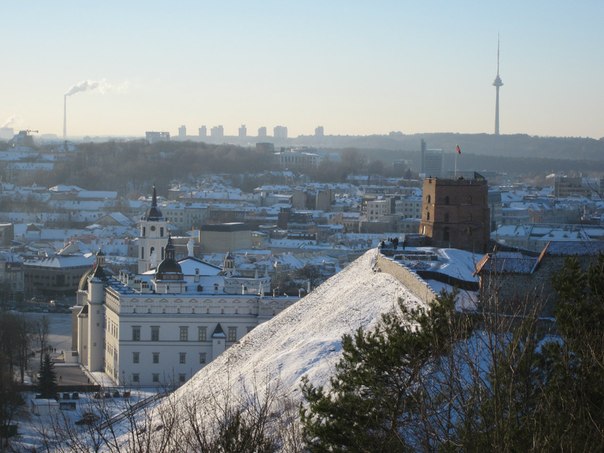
[153,237]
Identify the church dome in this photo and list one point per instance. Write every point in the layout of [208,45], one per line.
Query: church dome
[169,269]
[83,285]
[97,271]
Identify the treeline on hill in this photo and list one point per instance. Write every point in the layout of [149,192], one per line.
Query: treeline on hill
[513,145]
[425,379]
[134,166]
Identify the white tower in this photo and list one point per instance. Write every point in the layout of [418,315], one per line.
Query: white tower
[96,316]
[153,237]
[497,83]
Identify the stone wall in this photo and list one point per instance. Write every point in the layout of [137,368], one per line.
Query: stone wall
[409,279]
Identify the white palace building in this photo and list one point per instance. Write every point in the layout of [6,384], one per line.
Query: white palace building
[162,325]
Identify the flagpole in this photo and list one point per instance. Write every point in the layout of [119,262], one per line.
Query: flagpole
[456,153]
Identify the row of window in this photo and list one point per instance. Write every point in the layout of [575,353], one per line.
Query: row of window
[202,333]
[446,216]
[182,357]
[447,200]
[155,378]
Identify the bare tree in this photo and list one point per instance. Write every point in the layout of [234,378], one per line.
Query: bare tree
[41,329]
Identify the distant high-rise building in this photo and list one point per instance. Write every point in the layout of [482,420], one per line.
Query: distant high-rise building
[154,137]
[280,132]
[319,132]
[217,132]
[242,131]
[497,83]
[431,163]
[262,132]
[265,147]
[182,131]
[203,132]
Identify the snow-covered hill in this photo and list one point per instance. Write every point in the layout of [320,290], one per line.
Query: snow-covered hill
[304,340]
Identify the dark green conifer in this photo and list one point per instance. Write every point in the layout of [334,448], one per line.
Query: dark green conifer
[47,384]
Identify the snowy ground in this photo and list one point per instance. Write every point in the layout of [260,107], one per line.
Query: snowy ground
[302,341]
[59,328]
[33,428]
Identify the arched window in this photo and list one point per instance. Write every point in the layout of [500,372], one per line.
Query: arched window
[446,216]
[428,215]
[446,234]
[447,200]
[429,198]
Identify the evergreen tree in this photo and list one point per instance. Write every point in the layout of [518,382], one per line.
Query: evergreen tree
[520,391]
[377,390]
[548,395]
[47,385]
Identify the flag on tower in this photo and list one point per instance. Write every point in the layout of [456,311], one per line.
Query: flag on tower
[458,149]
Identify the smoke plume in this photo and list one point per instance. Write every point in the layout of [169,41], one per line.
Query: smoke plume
[10,121]
[88,85]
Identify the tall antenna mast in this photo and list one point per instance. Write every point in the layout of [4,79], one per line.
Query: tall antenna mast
[497,83]
[497,53]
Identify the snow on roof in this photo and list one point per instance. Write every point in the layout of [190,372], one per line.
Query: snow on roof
[10,257]
[190,264]
[508,263]
[575,248]
[303,340]
[98,194]
[120,218]
[65,188]
[62,261]
[459,264]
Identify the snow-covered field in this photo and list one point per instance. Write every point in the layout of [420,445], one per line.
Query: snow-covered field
[302,341]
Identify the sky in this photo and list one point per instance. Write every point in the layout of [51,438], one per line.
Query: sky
[353,67]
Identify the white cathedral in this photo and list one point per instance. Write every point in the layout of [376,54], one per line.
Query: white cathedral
[162,325]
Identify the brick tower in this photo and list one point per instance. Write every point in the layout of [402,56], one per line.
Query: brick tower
[455,213]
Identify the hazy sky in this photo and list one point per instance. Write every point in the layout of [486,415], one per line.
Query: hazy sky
[354,67]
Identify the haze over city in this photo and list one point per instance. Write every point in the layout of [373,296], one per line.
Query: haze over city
[351,67]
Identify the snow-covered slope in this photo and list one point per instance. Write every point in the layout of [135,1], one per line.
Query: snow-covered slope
[304,340]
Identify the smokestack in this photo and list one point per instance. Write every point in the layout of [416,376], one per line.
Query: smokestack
[64,117]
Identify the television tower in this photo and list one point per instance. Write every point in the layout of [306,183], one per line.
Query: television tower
[497,83]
